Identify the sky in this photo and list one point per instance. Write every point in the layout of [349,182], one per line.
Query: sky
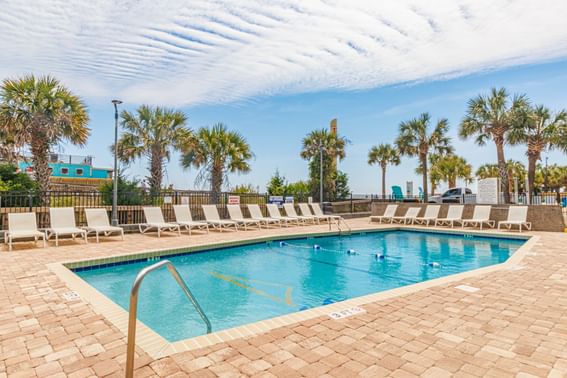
[276,70]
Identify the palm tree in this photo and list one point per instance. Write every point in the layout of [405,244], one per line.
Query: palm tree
[383,155]
[153,132]
[217,152]
[539,132]
[452,167]
[333,148]
[416,140]
[434,175]
[8,150]
[515,170]
[487,171]
[41,113]
[492,117]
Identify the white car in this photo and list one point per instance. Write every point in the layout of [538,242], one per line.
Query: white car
[453,195]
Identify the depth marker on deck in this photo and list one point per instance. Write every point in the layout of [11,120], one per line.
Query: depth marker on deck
[346,312]
[467,288]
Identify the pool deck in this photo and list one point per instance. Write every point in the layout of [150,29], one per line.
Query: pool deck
[515,325]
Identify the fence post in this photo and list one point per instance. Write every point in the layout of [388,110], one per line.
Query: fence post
[30,201]
[351,204]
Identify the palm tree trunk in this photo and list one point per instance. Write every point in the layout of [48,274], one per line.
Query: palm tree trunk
[452,181]
[532,160]
[502,169]
[424,166]
[40,161]
[383,181]
[433,187]
[216,184]
[156,172]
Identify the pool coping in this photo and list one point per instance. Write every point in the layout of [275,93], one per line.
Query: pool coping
[157,346]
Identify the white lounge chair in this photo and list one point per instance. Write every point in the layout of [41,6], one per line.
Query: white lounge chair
[97,222]
[454,215]
[409,217]
[306,212]
[389,213]
[235,214]
[22,226]
[481,215]
[290,212]
[154,220]
[184,219]
[256,213]
[62,220]
[517,216]
[319,212]
[212,217]
[431,214]
[275,213]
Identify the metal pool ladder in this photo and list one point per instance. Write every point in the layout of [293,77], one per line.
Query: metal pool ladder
[131,347]
[348,230]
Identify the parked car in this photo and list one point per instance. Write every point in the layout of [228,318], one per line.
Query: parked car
[453,195]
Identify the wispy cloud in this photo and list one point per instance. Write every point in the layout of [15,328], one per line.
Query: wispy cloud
[181,52]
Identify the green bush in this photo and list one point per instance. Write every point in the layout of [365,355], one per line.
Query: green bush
[12,181]
[128,192]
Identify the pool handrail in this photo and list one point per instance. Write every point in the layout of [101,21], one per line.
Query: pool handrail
[132,310]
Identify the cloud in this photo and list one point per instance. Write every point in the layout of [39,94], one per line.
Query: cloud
[181,52]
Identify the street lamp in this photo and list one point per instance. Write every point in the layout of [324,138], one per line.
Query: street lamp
[115,183]
[321,149]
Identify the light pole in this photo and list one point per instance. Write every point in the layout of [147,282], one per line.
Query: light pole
[321,175]
[115,183]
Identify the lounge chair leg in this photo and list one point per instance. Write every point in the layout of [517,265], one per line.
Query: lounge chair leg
[57,240]
[97,237]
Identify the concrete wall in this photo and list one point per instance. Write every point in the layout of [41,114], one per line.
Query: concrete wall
[543,218]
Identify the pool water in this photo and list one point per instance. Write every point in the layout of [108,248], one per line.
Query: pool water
[244,284]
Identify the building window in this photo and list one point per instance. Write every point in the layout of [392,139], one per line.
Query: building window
[64,171]
[79,171]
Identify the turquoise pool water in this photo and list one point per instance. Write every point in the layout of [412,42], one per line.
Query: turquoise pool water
[244,284]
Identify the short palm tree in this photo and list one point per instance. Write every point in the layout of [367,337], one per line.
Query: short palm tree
[452,167]
[434,175]
[416,140]
[383,155]
[516,170]
[539,132]
[487,171]
[217,152]
[39,112]
[153,132]
[333,147]
[492,117]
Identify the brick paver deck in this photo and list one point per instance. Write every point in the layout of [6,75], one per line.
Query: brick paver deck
[514,326]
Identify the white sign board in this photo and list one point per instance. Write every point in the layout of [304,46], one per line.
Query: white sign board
[487,191]
[288,199]
[234,200]
[167,199]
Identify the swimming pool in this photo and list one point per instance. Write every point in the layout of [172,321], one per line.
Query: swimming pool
[243,284]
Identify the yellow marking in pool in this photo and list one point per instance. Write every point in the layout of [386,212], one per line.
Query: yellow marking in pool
[236,281]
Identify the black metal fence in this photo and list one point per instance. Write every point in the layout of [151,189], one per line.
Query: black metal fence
[130,203]
[129,208]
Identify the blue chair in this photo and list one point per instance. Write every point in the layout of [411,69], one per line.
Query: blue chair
[397,193]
